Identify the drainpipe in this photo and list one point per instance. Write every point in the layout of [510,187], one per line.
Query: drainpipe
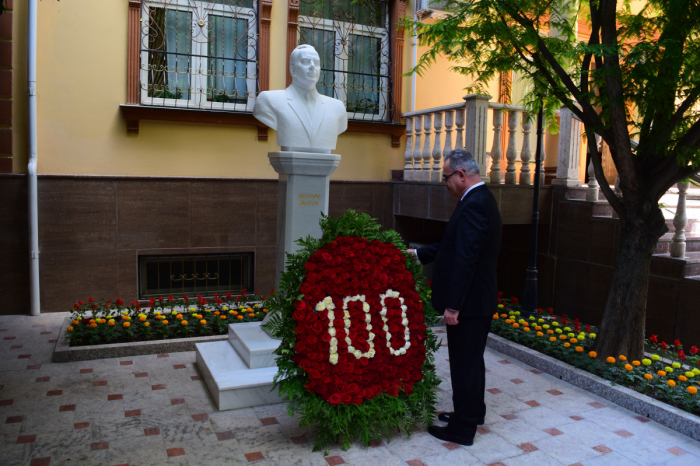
[35,307]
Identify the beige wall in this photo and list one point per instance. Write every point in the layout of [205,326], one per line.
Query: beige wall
[82,81]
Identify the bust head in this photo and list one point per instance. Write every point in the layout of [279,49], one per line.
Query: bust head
[305,67]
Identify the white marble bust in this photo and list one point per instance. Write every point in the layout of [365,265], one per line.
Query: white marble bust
[305,120]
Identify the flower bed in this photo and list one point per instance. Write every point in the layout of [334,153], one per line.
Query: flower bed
[667,374]
[95,323]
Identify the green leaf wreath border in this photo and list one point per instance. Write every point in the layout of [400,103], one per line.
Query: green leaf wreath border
[381,416]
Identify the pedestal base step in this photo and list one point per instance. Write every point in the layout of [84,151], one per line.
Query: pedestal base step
[231,383]
[253,345]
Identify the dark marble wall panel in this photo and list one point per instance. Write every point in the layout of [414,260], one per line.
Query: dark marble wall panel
[574,230]
[14,245]
[581,289]
[266,214]
[688,323]
[662,307]
[603,242]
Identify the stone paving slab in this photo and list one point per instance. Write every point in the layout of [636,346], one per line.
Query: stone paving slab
[155,410]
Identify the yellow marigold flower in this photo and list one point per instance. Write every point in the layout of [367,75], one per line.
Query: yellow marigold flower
[225,308]
[240,317]
[147,324]
[552,338]
[76,322]
[623,358]
[573,340]
[540,334]
[69,328]
[655,357]
[579,349]
[126,324]
[646,362]
[500,306]
[668,369]
[692,390]
[690,374]
[562,337]
[682,378]
[671,383]
[184,322]
[164,321]
[142,319]
[555,324]
[648,376]
[636,363]
[610,359]
[593,354]
[661,373]
[567,344]
[676,365]
[629,367]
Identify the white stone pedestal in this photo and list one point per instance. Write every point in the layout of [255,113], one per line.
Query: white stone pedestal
[303,195]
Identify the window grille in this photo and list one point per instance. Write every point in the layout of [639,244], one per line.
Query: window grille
[195,274]
[352,40]
[199,54]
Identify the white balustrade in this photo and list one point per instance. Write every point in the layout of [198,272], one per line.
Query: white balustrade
[459,121]
[427,153]
[408,155]
[526,153]
[593,190]
[569,149]
[449,122]
[417,125]
[511,154]
[436,171]
[495,172]
[679,223]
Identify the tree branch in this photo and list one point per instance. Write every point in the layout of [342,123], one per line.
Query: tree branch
[597,159]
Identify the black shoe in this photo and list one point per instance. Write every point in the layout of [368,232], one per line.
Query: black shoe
[442,434]
[445,417]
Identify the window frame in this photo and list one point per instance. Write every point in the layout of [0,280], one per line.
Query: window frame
[198,54]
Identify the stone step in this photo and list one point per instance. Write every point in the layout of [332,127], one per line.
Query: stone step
[692,243]
[253,345]
[231,383]
[691,266]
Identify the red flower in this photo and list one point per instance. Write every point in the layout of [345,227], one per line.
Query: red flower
[677,343]
[334,399]
[653,339]
[681,355]
[693,350]
[663,345]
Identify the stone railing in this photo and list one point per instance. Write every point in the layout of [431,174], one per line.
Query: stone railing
[425,149]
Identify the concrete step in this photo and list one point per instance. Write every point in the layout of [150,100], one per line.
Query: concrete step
[692,243]
[691,262]
[231,383]
[253,345]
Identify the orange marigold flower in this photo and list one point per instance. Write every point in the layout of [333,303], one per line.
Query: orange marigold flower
[69,328]
[516,325]
[111,323]
[636,363]
[203,322]
[573,340]
[179,316]
[222,317]
[147,324]
[550,331]
[692,390]
[593,354]
[495,316]
[537,327]
[567,344]
[240,317]
[562,337]
[184,322]
[540,334]
[165,321]
[682,378]
[251,315]
[671,383]
[610,359]
[216,313]
[526,329]
[623,358]
[142,318]
[552,338]
[92,321]
[76,322]
[502,315]
[628,367]
[662,373]
[235,313]
[579,349]
[126,324]
[264,310]
[94,325]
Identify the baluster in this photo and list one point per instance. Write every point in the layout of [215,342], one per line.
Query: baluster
[459,121]
[511,153]
[679,223]
[436,172]
[417,127]
[427,153]
[495,173]
[449,122]
[593,188]
[526,153]
[408,155]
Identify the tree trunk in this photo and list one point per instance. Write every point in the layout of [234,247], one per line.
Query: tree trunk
[622,328]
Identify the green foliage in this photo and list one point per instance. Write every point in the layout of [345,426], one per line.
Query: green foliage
[381,416]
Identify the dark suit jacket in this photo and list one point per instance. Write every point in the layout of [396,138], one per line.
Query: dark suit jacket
[464,276]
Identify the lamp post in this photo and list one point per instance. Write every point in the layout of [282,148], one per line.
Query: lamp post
[529,303]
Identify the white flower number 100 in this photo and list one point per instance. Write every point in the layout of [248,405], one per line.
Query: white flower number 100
[327,303]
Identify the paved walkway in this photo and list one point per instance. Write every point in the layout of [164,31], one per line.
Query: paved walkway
[153,410]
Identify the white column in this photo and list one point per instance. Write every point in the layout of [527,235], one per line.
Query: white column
[459,121]
[495,173]
[408,155]
[679,223]
[477,107]
[511,153]
[593,188]
[427,153]
[569,149]
[436,172]
[449,122]
[417,127]
[526,153]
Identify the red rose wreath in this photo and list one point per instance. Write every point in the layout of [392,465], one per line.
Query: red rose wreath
[356,357]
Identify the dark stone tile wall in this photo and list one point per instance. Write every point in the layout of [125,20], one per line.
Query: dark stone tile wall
[92,229]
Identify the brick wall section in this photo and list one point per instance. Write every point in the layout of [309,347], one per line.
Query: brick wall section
[6,89]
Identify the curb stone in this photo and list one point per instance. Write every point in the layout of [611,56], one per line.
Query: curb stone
[666,415]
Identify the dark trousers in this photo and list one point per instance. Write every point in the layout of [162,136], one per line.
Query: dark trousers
[466,343]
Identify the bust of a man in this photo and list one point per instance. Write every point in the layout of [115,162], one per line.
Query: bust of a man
[305,120]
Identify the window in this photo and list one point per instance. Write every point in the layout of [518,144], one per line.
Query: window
[195,274]
[199,54]
[352,40]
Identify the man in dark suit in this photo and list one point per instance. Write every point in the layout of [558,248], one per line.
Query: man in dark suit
[465,291]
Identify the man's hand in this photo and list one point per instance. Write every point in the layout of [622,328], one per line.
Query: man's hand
[412,253]
[451,317]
